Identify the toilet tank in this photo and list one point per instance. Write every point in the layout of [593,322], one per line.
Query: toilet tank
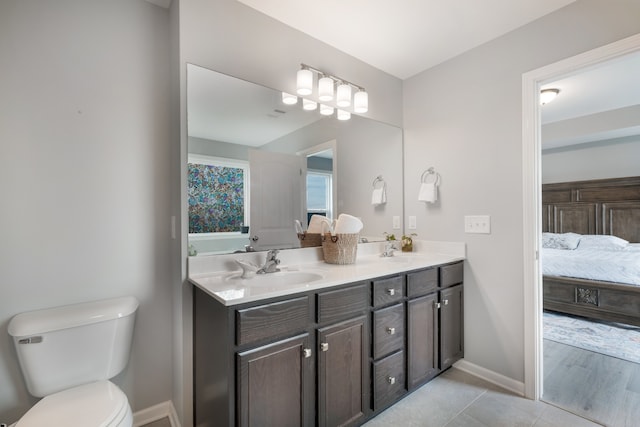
[62,347]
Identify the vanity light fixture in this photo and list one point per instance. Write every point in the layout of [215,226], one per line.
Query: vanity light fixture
[548,95]
[326,85]
[343,115]
[326,110]
[308,104]
[289,99]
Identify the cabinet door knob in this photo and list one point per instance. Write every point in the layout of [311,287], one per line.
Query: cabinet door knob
[306,352]
[446,302]
[391,291]
[391,331]
[391,380]
[436,305]
[324,346]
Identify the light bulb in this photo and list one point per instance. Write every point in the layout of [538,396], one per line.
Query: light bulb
[326,110]
[343,115]
[343,95]
[289,99]
[304,82]
[361,102]
[325,89]
[308,104]
[548,95]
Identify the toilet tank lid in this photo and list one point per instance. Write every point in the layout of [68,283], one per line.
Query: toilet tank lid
[70,316]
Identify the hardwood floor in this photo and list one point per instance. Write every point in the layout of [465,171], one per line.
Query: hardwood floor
[598,387]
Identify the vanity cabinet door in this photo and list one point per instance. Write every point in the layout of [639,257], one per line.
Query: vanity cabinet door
[274,383]
[343,376]
[422,339]
[451,325]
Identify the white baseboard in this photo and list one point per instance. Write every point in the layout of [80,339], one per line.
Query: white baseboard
[156,412]
[500,380]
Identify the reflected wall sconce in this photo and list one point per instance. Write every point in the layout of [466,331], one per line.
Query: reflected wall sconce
[329,88]
[548,95]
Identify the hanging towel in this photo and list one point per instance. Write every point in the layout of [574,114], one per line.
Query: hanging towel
[379,196]
[348,224]
[428,192]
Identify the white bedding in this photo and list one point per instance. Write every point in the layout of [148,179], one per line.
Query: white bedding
[621,266]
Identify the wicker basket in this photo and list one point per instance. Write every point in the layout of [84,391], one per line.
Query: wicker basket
[309,240]
[340,249]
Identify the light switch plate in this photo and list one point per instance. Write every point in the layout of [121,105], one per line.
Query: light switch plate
[412,222]
[477,224]
[396,223]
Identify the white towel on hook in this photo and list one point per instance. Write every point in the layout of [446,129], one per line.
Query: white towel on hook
[379,196]
[428,192]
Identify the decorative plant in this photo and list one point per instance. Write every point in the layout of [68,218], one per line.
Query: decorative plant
[407,242]
[389,237]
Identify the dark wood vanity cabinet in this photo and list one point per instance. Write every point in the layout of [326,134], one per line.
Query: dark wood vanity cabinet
[333,357]
[435,337]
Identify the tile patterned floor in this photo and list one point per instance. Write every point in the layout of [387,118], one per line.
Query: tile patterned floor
[457,399]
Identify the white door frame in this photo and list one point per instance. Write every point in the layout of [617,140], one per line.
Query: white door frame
[531,179]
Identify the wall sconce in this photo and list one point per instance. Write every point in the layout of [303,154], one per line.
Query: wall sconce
[548,95]
[326,85]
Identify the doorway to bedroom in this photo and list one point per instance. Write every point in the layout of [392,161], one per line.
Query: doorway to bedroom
[590,243]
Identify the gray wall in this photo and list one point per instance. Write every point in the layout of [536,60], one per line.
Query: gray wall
[464,118]
[615,158]
[84,175]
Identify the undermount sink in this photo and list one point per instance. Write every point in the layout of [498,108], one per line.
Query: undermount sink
[280,278]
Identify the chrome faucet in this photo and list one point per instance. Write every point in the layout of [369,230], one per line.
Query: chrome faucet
[389,247]
[271,263]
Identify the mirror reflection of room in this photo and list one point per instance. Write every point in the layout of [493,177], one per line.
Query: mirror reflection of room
[258,165]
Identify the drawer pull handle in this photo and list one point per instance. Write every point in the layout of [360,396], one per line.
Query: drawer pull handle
[391,331]
[446,302]
[306,352]
[391,380]
[391,291]
[324,346]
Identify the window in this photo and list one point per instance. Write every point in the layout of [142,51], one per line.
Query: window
[218,194]
[319,194]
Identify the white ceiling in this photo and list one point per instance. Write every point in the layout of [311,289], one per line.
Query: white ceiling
[405,37]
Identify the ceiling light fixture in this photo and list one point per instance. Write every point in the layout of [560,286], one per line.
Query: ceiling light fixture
[548,95]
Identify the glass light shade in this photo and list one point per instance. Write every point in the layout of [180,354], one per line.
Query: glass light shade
[325,89]
[304,82]
[343,95]
[343,115]
[361,102]
[548,95]
[309,105]
[289,99]
[326,110]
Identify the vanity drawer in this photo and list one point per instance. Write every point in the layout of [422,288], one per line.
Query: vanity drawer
[272,320]
[388,380]
[388,330]
[422,282]
[451,274]
[343,303]
[386,291]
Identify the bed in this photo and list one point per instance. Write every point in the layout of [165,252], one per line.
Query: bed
[607,212]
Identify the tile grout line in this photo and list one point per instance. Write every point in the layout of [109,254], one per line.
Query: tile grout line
[465,408]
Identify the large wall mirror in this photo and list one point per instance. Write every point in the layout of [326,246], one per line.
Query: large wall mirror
[256,165]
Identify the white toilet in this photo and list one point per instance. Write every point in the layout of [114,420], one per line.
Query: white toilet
[67,355]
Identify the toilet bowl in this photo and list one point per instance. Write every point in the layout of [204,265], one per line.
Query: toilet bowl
[100,403]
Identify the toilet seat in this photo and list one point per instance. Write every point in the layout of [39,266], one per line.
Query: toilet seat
[99,404]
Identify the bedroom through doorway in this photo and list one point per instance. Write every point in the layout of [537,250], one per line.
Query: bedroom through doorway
[590,244]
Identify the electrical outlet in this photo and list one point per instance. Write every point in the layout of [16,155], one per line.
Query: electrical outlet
[412,222]
[477,224]
[396,223]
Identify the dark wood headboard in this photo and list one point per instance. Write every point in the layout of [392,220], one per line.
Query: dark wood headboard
[600,206]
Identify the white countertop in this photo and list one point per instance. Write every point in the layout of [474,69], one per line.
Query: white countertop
[219,276]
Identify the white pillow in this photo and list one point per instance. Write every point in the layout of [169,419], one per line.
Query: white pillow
[560,241]
[591,241]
